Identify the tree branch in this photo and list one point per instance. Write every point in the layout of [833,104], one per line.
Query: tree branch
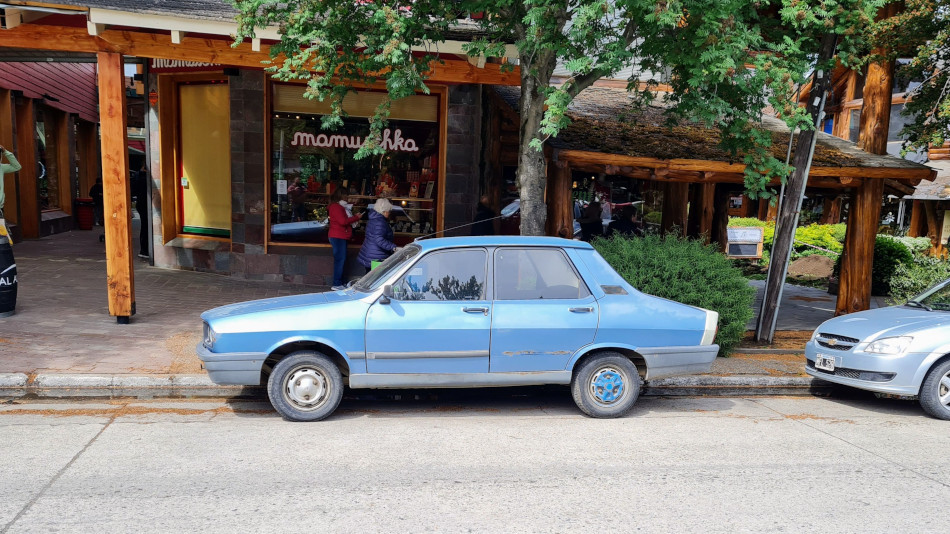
[579,83]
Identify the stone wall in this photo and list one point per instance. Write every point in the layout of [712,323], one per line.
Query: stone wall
[463,147]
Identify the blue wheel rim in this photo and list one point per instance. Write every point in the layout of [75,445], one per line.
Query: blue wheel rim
[608,385]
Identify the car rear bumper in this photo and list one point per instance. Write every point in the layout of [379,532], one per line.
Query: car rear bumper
[671,361]
[232,368]
[896,375]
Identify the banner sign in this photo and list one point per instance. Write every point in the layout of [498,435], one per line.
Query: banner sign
[392,141]
[159,66]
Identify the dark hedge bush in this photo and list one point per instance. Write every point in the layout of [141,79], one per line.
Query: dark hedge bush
[686,271]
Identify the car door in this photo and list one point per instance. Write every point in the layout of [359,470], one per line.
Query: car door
[542,313]
[438,320]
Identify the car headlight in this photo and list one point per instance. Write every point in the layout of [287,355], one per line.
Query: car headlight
[209,337]
[813,335]
[889,345]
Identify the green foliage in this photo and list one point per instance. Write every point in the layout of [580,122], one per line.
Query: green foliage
[888,254]
[826,236]
[686,271]
[911,279]
[654,217]
[917,245]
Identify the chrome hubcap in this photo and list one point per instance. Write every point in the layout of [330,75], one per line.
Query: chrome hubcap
[943,390]
[306,388]
[607,385]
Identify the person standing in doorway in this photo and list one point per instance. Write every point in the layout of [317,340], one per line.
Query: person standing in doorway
[12,165]
[140,192]
[484,218]
[341,230]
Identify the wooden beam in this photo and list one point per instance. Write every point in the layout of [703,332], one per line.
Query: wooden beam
[675,201]
[916,219]
[854,292]
[116,190]
[900,186]
[701,210]
[160,45]
[29,195]
[8,142]
[560,221]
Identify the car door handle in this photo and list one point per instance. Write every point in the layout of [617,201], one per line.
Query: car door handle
[587,309]
[476,309]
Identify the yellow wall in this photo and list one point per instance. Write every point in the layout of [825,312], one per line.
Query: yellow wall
[205,156]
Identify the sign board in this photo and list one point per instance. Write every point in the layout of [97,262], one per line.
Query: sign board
[945,230]
[281,187]
[744,242]
[159,66]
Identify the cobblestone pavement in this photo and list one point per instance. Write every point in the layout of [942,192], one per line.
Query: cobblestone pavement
[62,320]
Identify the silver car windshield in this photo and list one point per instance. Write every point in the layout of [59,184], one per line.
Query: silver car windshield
[375,278]
[937,297]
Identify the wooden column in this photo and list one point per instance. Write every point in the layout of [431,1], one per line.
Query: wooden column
[6,140]
[87,141]
[28,216]
[720,220]
[701,210]
[58,161]
[842,126]
[560,210]
[854,293]
[933,228]
[831,210]
[115,187]
[675,201]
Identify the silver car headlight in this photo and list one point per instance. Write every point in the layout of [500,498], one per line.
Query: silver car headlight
[889,345]
[209,337]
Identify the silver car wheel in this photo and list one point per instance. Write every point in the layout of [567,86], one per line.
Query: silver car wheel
[943,391]
[306,388]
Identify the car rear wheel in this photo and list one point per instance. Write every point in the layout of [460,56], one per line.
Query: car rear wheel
[935,391]
[606,385]
[305,386]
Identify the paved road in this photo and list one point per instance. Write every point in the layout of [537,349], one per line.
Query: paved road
[508,462]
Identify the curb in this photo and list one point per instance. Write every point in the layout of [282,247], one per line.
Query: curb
[794,352]
[66,386]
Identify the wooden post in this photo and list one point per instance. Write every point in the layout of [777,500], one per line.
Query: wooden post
[720,219]
[701,209]
[842,126]
[116,191]
[675,201]
[6,140]
[930,209]
[560,210]
[831,210]
[854,292]
[88,147]
[28,216]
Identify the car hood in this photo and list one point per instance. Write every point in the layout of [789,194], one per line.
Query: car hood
[884,322]
[277,303]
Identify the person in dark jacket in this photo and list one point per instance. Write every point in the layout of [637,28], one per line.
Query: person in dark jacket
[627,224]
[378,241]
[484,215]
[592,225]
[140,192]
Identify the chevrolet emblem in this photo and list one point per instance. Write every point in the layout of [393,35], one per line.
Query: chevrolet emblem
[832,342]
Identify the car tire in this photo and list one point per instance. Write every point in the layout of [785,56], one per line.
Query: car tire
[305,386]
[606,385]
[936,385]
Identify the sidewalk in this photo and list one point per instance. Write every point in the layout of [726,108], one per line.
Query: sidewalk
[62,341]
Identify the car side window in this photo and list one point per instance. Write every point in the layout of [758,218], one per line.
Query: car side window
[536,273]
[445,275]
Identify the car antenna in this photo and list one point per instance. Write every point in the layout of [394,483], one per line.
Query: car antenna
[506,212]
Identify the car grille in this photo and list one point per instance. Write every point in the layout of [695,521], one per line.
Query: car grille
[855,374]
[836,342]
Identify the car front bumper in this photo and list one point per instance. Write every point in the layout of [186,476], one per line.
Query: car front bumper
[232,368]
[854,368]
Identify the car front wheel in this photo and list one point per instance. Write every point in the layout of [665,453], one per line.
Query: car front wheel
[305,386]
[606,385]
[935,391]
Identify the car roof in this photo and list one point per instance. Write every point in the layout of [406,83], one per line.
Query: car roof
[499,240]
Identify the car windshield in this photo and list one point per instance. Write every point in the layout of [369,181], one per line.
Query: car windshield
[937,297]
[373,279]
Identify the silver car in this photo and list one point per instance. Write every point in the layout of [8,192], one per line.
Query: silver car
[900,350]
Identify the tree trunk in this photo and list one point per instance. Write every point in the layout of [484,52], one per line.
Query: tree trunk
[531,167]
[791,206]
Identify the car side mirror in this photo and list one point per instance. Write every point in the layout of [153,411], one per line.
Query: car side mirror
[387,294]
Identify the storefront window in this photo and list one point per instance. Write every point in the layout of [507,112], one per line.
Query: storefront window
[308,163]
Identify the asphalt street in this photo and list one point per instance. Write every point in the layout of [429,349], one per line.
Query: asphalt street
[481,461]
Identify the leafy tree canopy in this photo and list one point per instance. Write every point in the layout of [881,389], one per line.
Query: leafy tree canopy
[725,60]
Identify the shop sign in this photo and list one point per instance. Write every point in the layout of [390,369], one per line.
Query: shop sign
[392,141]
[159,66]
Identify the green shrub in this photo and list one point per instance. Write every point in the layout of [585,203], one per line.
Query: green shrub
[817,235]
[654,217]
[749,221]
[916,245]
[911,279]
[889,253]
[686,271]
[838,231]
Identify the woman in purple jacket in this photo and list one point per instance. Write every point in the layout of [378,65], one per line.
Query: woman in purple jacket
[378,242]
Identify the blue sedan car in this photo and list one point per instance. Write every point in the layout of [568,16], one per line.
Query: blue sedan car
[462,312]
[900,350]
